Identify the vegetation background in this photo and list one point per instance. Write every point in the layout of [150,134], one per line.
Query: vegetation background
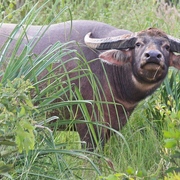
[146,148]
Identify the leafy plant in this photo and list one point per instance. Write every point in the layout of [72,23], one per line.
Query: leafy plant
[130,174]
[172,176]
[16,119]
[172,143]
[164,113]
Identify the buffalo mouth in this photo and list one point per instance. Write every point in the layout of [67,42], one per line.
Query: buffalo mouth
[152,65]
[152,71]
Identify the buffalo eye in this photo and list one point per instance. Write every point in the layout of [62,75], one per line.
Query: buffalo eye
[138,44]
[167,47]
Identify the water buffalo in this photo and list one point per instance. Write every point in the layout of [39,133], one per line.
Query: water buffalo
[135,65]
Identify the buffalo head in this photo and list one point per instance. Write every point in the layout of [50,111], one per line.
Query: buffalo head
[150,52]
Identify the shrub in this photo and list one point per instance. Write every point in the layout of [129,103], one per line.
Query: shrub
[16,119]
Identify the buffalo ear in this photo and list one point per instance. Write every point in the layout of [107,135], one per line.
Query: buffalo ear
[116,57]
[175,60]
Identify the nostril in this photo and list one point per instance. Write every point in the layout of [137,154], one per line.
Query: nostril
[159,56]
[147,55]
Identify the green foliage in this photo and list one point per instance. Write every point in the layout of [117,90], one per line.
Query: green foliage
[130,174]
[164,111]
[117,176]
[16,120]
[172,142]
[16,115]
[172,176]
[49,157]
[16,10]
[149,146]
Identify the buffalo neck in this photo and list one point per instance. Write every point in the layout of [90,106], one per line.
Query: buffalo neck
[125,87]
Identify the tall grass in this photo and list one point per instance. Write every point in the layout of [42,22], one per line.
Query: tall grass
[52,155]
[58,155]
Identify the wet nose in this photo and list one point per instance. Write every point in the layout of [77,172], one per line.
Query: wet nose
[153,55]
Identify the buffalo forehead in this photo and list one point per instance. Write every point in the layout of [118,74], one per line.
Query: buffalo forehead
[154,40]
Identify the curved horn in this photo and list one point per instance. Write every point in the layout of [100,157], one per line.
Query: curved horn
[175,44]
[119,42]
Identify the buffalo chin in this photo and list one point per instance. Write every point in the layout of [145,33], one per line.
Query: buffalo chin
[152,73]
